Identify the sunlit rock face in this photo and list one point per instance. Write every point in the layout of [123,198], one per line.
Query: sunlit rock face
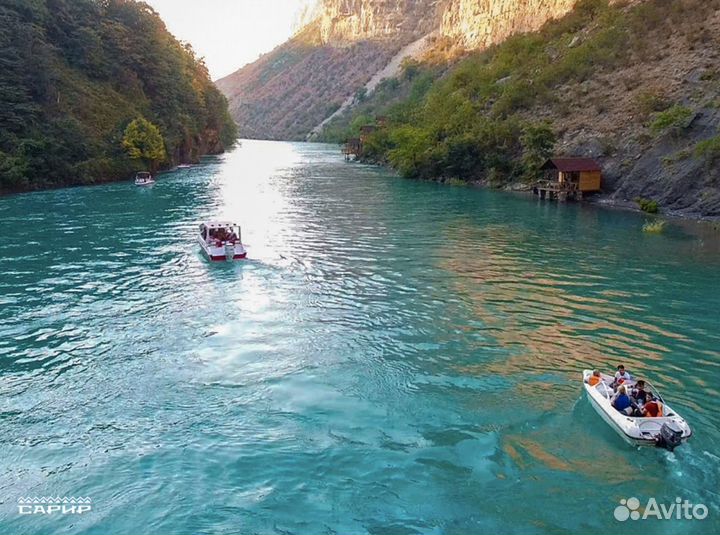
[480,23]
[477,24]
[341,44]
[470,24]
[353,20]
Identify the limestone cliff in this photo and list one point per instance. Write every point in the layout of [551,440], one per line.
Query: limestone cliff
[477,24]
[287,92]
[291,90]
[354,20]
[480,23]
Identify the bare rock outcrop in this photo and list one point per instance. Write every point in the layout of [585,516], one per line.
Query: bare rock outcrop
[285,94]
[480,23]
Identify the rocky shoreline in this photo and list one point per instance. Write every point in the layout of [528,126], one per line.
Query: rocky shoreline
[605,200]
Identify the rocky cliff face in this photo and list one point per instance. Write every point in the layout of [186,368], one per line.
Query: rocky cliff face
[477,24]
[354,20]
[289,91]
[480,23]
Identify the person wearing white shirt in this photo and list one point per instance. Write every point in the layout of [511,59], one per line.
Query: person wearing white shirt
[621,375]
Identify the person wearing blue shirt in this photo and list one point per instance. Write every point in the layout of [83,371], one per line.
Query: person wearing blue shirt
[622,402]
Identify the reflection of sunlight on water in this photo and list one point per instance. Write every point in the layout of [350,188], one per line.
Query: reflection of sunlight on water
[531,451]
[251,191]
[541,316]
[552,318]
[406,347]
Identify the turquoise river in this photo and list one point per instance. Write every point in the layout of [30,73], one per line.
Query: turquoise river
[395,357]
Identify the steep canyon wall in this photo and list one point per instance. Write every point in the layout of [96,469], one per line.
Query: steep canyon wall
[287,92]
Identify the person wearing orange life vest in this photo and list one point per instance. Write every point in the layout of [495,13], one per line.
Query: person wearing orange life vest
[653,407]
[595,378]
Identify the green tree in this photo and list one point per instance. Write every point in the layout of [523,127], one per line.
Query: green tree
[538,142]
[359,122]
[74,73]
[410,68]
[360,94]
[143,141]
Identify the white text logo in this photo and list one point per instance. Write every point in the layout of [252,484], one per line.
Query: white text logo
[679,510]
[50,506]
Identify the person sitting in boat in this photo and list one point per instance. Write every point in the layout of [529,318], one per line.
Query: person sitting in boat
[595,378]
[232,238]
[222,235]
[621,376]
[622,402]
[653,407]
[639,395]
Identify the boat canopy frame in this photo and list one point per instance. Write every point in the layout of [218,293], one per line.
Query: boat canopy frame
[207,226]
[648,387]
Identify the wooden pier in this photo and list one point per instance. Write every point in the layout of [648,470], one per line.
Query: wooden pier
[352,149]
[557,192]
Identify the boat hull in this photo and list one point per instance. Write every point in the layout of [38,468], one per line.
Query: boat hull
[223,253]
[628,439]
[225,259]
[635,431]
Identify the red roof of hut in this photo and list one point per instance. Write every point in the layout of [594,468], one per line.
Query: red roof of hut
[572,165]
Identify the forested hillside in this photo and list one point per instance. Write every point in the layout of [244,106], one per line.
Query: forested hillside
[75,73]
[634,85]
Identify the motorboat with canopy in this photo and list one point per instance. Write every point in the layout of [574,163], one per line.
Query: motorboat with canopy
[221,240]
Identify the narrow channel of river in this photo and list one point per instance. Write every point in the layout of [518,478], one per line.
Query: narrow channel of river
[396,357]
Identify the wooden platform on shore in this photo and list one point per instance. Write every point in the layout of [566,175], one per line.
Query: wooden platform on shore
[556,192]
[352,148]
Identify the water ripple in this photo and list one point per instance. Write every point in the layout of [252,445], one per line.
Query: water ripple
[395,357]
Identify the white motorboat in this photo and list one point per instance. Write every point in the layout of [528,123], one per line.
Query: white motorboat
[143,178]
[667,431]
[221,240]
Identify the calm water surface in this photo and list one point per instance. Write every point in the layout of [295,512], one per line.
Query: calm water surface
[396,357]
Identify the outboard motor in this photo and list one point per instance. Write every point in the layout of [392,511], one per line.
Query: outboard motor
[229,251]
[670,436]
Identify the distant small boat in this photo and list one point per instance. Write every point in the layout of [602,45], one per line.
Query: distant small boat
[221,240]
[667,431]
[184,166]
[143,178]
